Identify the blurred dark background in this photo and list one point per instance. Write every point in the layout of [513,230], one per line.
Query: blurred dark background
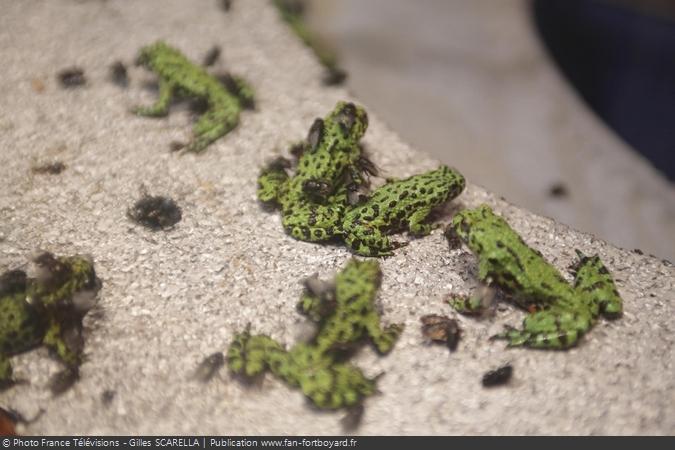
[620,56]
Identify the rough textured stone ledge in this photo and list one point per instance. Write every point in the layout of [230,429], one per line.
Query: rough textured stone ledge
[169,299]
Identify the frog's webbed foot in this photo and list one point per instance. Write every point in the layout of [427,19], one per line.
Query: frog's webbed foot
[161,106]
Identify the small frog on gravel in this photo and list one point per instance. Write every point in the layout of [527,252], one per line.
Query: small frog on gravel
[346,315]
[560,312]
[330,166]
[398,205]
[177,75]
[46,310]
[330,155]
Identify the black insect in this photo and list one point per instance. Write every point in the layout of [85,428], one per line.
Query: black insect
[118,74]
[498,376]
[226,5]
[108,396]
[155,212]
[50,168]
[441,329]
[209,367]
[334,76]
[72,77]
[175,146]
[212,56]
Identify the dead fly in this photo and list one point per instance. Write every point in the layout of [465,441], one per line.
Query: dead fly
[211,57]
[208,368]
[498,376]
[54,168]
[72,77]
[441,329]
[155,212]
[118,74]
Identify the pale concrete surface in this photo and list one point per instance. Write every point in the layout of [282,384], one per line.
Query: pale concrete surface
[470,83]
[171,298]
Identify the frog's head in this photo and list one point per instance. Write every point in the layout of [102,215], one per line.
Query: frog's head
[464,221]
[332,145]
[148,55]
[352,120]
[69,281]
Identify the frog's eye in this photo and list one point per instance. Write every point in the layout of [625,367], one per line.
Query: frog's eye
[346,118]
[315,135]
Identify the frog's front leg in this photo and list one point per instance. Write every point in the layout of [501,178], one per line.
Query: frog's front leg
[594,282]
[54,340]
[549,329]
[416,223]
[161,106]
[383,338]
[272,180]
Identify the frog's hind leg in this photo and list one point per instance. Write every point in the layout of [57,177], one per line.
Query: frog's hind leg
[240,88]
[213,124]
[372,244]
[416,222]
[549,329]
[161,106]
[595,282]
[252,355]
[336,386]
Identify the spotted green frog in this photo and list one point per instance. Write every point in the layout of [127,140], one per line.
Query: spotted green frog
[560,312]
[330,155]
[46,310]
[398,205]
[345,314]
[177,75]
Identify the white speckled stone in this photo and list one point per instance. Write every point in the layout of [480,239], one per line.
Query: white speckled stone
[169,299]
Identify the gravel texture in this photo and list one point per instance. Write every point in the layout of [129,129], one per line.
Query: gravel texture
[171,298]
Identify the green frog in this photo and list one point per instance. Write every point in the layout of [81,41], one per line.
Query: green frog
[560,312]
[345,314]
[177,75]
[331,164]
[330,155]
[46,309]
[398,205]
